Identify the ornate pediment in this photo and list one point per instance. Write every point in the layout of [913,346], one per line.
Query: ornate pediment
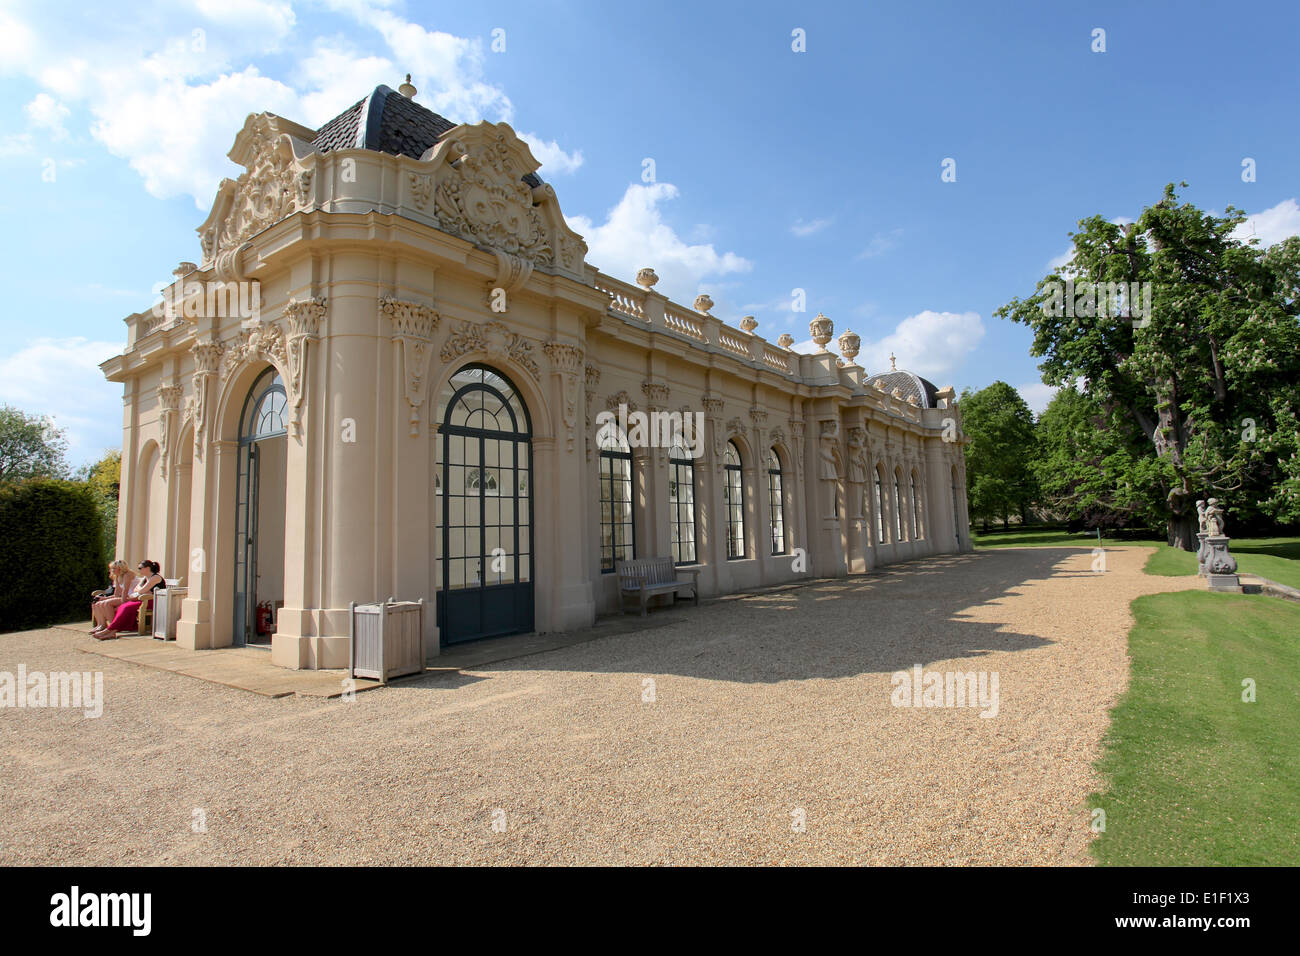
[493,339]
[480,196]
[273,186]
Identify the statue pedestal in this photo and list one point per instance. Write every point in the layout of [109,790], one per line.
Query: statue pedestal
[1220,565]
[1202,552]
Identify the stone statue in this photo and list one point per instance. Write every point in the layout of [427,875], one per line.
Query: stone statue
[1200,514]
[857,455]
[1213,518]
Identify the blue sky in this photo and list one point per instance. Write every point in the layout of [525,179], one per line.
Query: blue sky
[774,169]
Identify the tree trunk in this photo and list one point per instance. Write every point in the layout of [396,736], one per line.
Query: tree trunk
[1181,532]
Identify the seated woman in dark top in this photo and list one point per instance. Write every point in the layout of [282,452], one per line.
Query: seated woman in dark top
[127,617]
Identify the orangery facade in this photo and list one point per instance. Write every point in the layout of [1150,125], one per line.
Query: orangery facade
[395,374]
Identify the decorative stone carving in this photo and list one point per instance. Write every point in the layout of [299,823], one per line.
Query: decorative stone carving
[303,317]
[1212,518]
[857,464]
[566,358]
[703,304]
[821,329]
[303,182]
[758,416]
[830,465]
[265,342]
[850,344]
[591,375]
[776,436]
[646,278]
[413,326]
[656,394]
[273,186]
[785,341]
[488,203]
[207,356]
[421,189]
[169,401]
[620,398]
[749,324]
[494,339]
[796,441]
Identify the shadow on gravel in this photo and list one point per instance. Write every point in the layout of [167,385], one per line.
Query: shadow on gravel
[887,620]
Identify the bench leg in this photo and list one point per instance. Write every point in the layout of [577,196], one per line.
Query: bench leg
[643,603]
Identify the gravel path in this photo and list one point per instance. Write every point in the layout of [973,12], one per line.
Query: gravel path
[767,710]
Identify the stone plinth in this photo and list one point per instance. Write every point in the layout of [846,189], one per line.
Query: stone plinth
[1220,565]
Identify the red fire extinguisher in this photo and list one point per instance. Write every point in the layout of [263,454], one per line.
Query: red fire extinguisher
[265,618]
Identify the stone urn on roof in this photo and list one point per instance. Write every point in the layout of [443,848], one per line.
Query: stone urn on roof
[821,329]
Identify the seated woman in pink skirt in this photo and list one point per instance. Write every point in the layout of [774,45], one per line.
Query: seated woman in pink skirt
[102,610]
[127,617]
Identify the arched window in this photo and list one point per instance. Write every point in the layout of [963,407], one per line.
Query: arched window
[264,409]
[880,508]
[917,531]
[617,530]
[681,502]
[898,506]
[733,500]
[776,501]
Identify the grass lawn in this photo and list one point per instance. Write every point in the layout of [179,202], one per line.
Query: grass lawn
[1044,537]
[1195,776]
[1277,559]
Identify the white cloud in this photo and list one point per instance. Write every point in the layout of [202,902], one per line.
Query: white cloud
[555,161]
[46,113]
[634,235]
[803,229]
[273,19]
[1037,395]
[61,378]
[1272,225]
[16,144]
[880,244]
[170,100]
[931,344]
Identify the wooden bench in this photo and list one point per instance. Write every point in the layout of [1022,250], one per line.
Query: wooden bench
[648,577]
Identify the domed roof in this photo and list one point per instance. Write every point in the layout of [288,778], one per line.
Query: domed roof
[909,385]
[388,122]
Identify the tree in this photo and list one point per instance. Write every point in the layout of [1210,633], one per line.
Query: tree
[999,476]
[1187,337]
[1083,464]
[104,479]
[30,446]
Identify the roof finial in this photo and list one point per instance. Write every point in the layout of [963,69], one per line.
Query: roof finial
[406,89]
[892,366]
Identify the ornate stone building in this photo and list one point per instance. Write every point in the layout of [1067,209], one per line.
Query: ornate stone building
[385,379]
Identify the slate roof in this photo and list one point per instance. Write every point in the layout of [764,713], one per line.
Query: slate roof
[909,384]
[388,122]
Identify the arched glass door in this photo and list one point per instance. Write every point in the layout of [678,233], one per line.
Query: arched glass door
[260,507]
[485,477]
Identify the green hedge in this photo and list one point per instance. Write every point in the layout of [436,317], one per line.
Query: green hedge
[52,543]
